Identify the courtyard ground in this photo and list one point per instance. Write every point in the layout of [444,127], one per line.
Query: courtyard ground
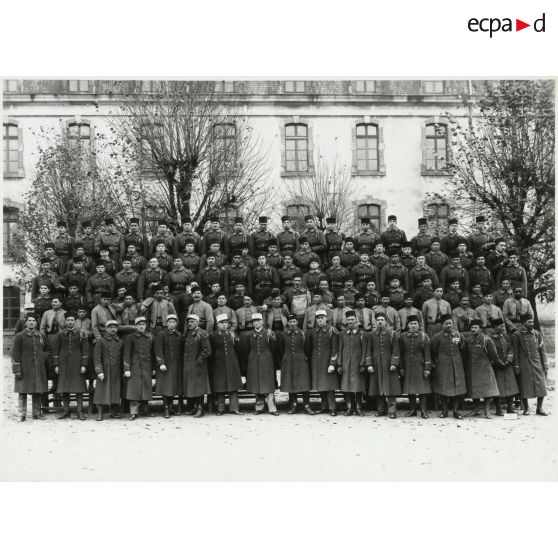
[287,447]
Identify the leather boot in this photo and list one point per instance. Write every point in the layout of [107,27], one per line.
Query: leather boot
[199,409]
[292,403]
[349,402]
[100,411]
[167,411]
[486,411]
[509,405]
[423,412]
[306,402]
[413,406]
[498,404]
[180,408]
[444,413]
[66,404]
[79,398]
[540,411]
[526,410]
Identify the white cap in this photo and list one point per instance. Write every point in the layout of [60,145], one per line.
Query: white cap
[257,316]
[221,318]
[172,317]
[138,320]
[193,317]
[113,322]
[321,312]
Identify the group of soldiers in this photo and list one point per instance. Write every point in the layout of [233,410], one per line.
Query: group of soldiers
[374,316]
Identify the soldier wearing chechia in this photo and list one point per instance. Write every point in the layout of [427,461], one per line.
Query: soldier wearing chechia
[334,239]
[187,235]
[236,239]
[316,238]
[135,237]
[287,239]
[393,238]
[421,242]
[366,239]
[63,245]
[258,240]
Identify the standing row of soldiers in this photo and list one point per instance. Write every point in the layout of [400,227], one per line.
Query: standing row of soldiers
[339,281]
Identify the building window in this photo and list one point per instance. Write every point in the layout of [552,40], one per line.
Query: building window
[365,86]
[224,147]
[436,146]
[78,86]
[10,228]
[295,86]
[438,214]
[10,86]
[12,307]
[373,212]
[432,87]
[79,134]
[297,211]
[12,150]
[224,87]
[367,147]
[296,147]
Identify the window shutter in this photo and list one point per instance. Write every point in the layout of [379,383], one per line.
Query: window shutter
[423,143]
[20,150]
[354,150]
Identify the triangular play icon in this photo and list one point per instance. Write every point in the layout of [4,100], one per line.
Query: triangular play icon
[519,25]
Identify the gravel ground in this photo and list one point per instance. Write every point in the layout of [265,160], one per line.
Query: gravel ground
[287,447]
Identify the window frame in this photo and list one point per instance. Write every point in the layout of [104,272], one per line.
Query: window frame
[426,84]
[296,85]
[381,167]
[79,87]
[425,170]
[9,229]
[227,138]
[11,86]
[6,125]
[11,312]
[366,87]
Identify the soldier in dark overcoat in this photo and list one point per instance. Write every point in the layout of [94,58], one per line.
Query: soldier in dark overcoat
[448,372]
[287,239]
[261,348]
[334,240]
[168,358]
[195,375]
[529,359]
[353,362]
[295,373]
[139,368]
[414,363]
[503,367]
[70,357]
[107,358]
[29,355]
[224,369]
[322,347]
[481,352]
[383,350]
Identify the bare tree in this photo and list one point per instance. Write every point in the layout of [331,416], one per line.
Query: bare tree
[328,192]
[503,163]
[184,146]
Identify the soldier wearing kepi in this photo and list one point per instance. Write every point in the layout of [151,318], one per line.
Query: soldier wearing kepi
[224,369]
[414,348]
[261,348]
[353,362]
[287,239]
[383,352]
[139,368]
[168,357]
[195,375]
[295,375]
[448,376]
[529,360]
[29,367]
[63,246]
[334,240]
[422,241]
[481,351]
[503,367]
[322,346]
[393,237]
[107,358]
[70,356]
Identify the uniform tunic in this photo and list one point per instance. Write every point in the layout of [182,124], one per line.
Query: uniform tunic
[529,357]
[322,345]
[138,359]
[362,273]
[334,242]
[317,241]
[64,246]
[70,351]
[29,354]
[213,237]
[393,240]
[384,352]
[287,241]
[302,259]
[448,376]
[353,356]
[437,260]
[224,369]
[107,357]
[97,285]
[414,350]
[258,243]
[349,258]
[505,378]
[136,239]
[183,238]
[421,243]
[195,375]
[286,274]
[295,373]
[337,276]
[168,351]
[481,380]
[261,348]
[365,241]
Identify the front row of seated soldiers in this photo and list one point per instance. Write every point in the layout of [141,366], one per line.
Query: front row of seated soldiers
[381,363]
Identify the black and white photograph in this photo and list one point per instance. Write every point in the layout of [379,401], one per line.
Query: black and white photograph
[312,261]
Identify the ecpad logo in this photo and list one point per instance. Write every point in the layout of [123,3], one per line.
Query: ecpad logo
[492,25]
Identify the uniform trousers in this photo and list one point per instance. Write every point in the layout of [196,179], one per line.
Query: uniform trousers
[233,401]
[35,404]
[388,403]
[262,399]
